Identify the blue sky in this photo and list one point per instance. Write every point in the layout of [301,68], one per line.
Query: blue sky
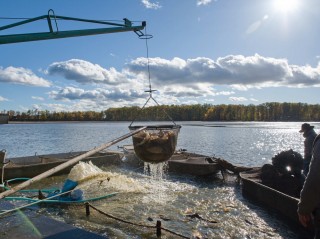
[202,51]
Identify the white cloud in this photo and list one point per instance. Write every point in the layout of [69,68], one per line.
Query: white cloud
[3,99]
[177,80]
[238,99]
[241,99]
[224,93]
[22,76]
[37,98]
[59,107]
[236,71]
[36,107]
[113,94]
[86,72]
[150,5]
[203,2]
[96,104]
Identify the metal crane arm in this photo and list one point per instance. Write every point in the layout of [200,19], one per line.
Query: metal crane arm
[127,26]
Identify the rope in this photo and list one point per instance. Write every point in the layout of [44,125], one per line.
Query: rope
[135,224]
[118,219]
[149,80]
[174,233]
[147,47]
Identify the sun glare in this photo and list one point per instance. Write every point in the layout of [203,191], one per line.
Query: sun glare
[286,6]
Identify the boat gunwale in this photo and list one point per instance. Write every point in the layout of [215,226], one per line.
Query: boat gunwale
[284,204]
[16,170]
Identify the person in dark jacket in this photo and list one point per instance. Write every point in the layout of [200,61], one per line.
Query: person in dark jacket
[309,134]
[309,204]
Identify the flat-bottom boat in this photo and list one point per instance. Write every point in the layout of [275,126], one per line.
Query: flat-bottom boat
[253,188]
[181,162]
[31,166]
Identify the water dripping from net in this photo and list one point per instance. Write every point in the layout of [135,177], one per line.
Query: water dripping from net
[157,173]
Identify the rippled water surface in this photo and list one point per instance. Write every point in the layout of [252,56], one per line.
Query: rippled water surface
[144,200]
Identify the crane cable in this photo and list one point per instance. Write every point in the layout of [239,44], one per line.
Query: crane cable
[147,37]
[148,62]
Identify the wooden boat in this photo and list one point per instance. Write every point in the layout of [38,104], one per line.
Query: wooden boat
[253,188]
[181,162]
[4,118]
[32,166]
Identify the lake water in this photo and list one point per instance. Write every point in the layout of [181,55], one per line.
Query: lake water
[144,199]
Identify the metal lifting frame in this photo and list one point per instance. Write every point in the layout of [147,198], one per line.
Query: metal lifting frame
[127,26]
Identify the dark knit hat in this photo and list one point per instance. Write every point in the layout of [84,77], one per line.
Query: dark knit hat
[305,127]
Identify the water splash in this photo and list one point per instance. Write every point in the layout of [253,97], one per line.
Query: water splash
[93,178]
[154,188]
[156,171]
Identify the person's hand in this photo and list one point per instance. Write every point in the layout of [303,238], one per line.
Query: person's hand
[305,219]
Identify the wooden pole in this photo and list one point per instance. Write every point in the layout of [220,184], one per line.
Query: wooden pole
[87,209]
[158,226]
[68,163]
[3,163]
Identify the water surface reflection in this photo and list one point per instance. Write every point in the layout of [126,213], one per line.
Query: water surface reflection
[144,200]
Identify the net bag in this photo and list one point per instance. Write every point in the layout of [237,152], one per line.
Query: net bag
[156,143]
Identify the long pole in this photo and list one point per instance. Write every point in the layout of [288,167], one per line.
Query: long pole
[3,156]
[32,203]
[68,163]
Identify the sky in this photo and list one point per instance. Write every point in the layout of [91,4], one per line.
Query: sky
[201,52]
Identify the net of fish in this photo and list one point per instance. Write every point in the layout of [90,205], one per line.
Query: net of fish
[156,143]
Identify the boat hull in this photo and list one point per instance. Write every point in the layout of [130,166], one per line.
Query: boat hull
[31,166]
[181,162]
[284,204]
[4,118]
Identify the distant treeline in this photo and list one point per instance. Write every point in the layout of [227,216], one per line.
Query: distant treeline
[264,112]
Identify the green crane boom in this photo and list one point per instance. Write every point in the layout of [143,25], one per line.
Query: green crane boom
[15,38]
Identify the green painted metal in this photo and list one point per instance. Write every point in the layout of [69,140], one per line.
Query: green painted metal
[13,180]
[51,34]
[54,201]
